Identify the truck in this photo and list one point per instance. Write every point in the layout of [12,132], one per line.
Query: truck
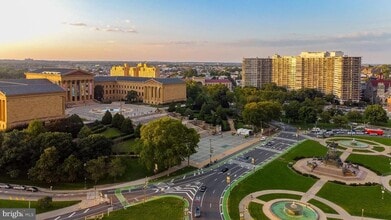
[372,131]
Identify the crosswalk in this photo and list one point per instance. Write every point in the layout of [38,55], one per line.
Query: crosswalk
[189,190]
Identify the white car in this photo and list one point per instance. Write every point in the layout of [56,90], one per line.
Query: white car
[263,138]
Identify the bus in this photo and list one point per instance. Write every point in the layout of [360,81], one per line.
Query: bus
[372,131]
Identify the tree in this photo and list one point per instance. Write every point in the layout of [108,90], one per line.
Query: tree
[171,107]
[189,113]
[132,96]
[292,110]
[375,114]
[93,146]
[47,168]
[16,153]
[340,120]
[35,128]
[96,168]
[127,126]
[137,130]
[307,114]
[98,92]
[257,113]
[325,117]
[71,168]
[117,120]
[72,125]
[116,168]
[166,142]
[85,131]
[107,118]
[61,141]
[354,116]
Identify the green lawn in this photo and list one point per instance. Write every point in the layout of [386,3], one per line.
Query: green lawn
[33,204]
[255,210]
[269,197]
[162,209]
[111,133]
[126,147]
[378,148]
[325,208]
[379,164]
[276,175]
[353,199]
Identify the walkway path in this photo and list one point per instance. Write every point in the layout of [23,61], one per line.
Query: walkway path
[311,193]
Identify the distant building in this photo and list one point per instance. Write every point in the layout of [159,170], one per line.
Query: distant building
[256,71]
[141,70]
[149,90]
[78,84]
[23,100]
[328,72]
[378,91]
[226,82]
[206,82]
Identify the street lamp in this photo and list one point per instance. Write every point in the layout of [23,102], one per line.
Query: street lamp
[382,192]
[210,151]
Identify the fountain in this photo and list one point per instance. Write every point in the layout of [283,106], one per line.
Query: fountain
[352,143]
[293,210]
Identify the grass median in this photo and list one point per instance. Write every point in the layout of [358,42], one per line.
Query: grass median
[166,208]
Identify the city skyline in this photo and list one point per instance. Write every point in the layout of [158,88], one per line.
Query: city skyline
[215,31]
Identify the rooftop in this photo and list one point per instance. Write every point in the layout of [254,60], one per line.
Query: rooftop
[10,87]
[136,79]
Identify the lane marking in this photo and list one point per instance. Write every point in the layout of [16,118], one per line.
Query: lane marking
[71,214]
[85,211]
[213,192]
[58,217]
[210,205]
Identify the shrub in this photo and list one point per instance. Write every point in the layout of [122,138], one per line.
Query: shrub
[45,202]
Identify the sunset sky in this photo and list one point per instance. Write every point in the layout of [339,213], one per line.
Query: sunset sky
[192,30]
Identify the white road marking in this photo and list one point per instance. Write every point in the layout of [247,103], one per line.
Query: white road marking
[71,214]
[213,192]
[184,176]
[85,211]
[216,179]
[58,217]
[210,205]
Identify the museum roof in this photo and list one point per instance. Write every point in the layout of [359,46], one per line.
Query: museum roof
[61,71]
[10,87]
[136,79]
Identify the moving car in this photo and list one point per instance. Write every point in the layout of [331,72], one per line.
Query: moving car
[5,186]
[197,212]
[225,169]
[20,187]
[203,188]
[32,189]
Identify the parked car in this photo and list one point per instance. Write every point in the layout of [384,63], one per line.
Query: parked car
[197,212]
[203,188]
[263,138]
[32,189]
[5,186]
[20,187]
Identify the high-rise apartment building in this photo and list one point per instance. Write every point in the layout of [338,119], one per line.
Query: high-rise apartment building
[256,71]
[329,72]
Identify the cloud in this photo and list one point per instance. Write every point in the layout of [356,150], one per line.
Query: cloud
[295,40]
[78,24]
[120,30]
[107,28]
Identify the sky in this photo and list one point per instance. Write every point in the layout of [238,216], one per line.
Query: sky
[192,30]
